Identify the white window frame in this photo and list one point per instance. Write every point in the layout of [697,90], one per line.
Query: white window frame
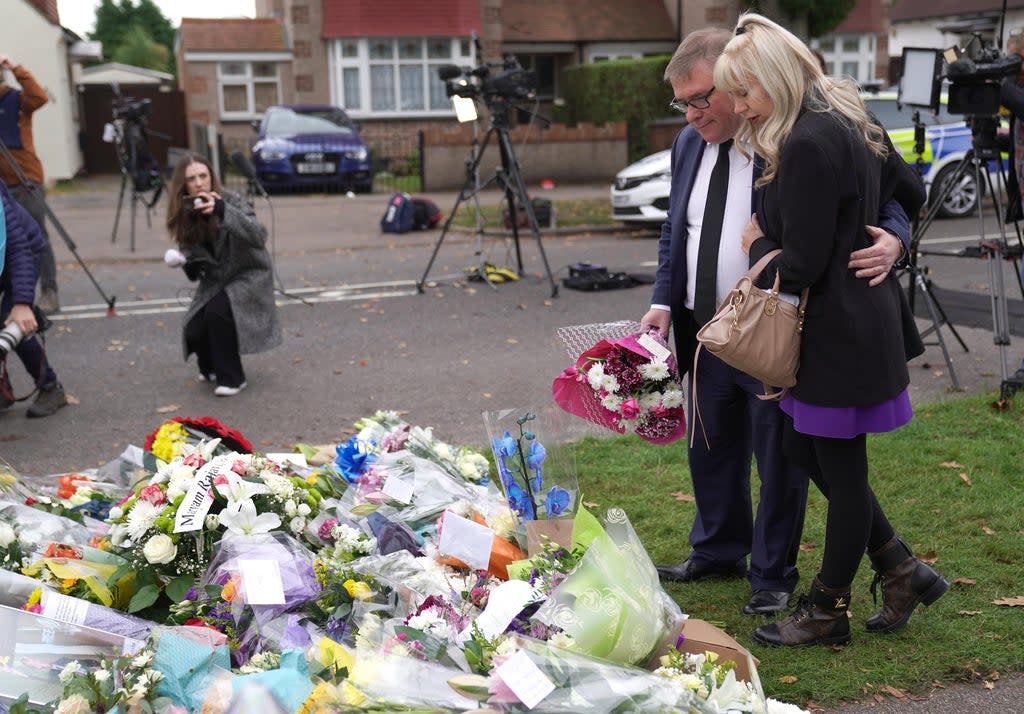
[277,58]
[863,57]
[462,55]
[248,80]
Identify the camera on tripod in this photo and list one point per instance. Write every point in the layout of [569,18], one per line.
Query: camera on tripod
[501,85]
[132,110]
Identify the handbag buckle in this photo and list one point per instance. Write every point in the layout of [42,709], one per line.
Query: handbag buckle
[771,305]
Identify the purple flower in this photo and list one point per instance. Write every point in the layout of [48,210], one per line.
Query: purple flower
[325,531]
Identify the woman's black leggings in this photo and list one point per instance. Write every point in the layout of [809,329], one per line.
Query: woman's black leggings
[839,468]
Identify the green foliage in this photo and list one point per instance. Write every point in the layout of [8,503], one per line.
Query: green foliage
[949,482]
[138,49]
[627,90]
[131,32]
[822,16]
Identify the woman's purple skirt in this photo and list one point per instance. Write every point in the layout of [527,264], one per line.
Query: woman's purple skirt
[848,422]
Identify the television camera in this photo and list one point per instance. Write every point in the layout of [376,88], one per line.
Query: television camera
[131,110]
[499,84]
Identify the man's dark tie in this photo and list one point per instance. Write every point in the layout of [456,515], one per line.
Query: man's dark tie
[705,298]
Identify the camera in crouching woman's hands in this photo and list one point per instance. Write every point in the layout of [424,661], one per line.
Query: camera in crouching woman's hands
[11,336]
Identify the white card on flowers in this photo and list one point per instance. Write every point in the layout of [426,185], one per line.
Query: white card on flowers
[57,606]
[503,604]
[397,489]
[198,500]
[657,350]
[466,540]
[285,458]
[262,581]
[525,679]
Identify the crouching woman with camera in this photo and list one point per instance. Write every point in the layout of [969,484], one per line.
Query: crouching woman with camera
[21,245]
[222,245]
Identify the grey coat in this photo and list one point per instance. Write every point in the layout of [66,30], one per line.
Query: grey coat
[242,269]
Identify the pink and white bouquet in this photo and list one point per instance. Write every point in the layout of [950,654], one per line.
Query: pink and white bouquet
[623,382]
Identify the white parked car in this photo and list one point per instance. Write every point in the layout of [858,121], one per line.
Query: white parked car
[640,192]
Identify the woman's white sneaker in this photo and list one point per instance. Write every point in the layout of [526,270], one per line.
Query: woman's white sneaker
[225,391]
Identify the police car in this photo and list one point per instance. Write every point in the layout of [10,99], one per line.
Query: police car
[639,195]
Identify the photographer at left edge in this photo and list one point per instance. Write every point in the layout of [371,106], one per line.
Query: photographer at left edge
[24,244]
[16,109]
[1011,96]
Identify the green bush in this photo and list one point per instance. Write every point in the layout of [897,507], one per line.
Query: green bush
[620,90]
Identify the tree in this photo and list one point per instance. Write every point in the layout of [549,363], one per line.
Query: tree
[806,18]
[137,31]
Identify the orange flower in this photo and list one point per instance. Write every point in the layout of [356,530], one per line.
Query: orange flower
[230,590]
[59,550]
[69,484]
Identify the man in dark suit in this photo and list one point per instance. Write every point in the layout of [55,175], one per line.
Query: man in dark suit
[699,260]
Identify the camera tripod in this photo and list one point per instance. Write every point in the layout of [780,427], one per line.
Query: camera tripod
[37,196]
[976,160]
[137,168]
[510,179]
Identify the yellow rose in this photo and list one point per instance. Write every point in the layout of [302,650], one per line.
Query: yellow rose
[358,590]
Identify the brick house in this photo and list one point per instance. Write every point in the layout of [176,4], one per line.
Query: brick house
[231,70]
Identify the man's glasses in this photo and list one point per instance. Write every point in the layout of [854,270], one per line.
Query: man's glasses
[701,102]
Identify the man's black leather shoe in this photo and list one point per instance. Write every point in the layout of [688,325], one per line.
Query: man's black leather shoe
[766,602]
[690,570]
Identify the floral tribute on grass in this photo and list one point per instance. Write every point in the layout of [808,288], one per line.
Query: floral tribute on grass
[400,575]
[623,380]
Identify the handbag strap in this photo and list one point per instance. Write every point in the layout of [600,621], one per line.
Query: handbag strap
[755,272]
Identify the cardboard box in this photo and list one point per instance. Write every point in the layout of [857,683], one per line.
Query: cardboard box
[700,637]
[558,530]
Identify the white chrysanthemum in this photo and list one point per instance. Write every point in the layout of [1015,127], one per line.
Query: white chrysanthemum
[7,535]
[503,522]
[611,402]
[141,518]
[649,401]
[595,374]
[471,465]
[101,675]
[672,398]
[280,486]
[609,383]
[657,370]
[70,670]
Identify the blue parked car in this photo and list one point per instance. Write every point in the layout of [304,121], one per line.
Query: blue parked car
[311,145]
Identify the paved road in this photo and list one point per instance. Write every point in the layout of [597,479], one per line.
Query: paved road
[359,337]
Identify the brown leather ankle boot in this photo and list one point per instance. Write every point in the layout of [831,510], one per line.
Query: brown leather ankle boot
[906,581]
[819,619]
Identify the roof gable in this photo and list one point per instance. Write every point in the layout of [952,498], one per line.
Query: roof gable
[401,18]
[262,34]
[907,10]
[586,21]
[47,8]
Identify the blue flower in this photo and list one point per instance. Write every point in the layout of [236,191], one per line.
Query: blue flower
[505,446]
[520,502]
[557,501]
[534,459]
[351,460]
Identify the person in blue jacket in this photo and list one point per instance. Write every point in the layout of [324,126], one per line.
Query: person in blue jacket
[23,245]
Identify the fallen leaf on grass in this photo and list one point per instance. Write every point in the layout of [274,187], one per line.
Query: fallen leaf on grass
[951,465]
[680,496]
[789,679]
[966,479]
[893,691]
[590,504]
[810,545]
[930,557]
[987,531]
[168,408]
[965,581]
[1017,601]
[969,613]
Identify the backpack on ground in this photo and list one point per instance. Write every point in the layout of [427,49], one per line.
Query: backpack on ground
[399,215]
[425,214]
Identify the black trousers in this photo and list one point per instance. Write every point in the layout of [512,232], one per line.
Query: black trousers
[212,336]
[855,521]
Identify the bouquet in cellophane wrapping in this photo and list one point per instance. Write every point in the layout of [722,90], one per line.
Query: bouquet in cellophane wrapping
[623,379]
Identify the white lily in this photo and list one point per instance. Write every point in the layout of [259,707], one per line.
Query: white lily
[238,489]
[241,519]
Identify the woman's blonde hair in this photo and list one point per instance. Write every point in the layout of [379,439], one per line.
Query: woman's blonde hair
[765,53]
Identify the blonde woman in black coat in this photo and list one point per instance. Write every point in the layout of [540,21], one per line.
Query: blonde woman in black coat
[824,163]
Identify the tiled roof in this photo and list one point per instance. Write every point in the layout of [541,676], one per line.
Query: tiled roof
[48,8]
[585,21]
[401,18]
[905,10]
[263,34]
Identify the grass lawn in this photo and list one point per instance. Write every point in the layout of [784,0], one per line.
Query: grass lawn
[579,212]
[952,483]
